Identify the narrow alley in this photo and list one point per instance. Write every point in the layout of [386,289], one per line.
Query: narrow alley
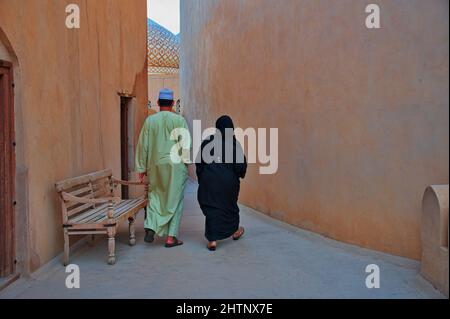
[273,260]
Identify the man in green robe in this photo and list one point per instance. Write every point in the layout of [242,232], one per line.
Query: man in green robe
[161,155]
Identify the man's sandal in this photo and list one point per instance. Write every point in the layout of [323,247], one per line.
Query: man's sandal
[238,235]
[149,235]
[175,243]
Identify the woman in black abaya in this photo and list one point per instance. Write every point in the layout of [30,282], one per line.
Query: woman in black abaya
[222,165]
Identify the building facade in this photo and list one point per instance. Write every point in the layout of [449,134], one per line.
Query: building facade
[73,89]
[362,113]
[163,63]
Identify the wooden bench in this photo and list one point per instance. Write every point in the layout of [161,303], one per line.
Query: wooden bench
[89,207]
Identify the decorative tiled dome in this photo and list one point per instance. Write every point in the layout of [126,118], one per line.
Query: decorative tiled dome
[163,50]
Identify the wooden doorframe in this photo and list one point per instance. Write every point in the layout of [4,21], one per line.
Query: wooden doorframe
[125,104]
[7,171]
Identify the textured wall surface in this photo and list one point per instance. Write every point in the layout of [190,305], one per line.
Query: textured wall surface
[362,114]
[66,99]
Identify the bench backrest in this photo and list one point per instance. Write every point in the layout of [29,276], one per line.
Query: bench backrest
[93,185]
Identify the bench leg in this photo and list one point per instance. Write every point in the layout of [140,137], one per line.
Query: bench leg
[132,229]
[66,247]
[111,245]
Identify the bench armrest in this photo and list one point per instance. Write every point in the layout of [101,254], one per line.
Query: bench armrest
[82,200]
[119,181]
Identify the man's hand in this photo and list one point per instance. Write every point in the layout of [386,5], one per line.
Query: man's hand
[142,176]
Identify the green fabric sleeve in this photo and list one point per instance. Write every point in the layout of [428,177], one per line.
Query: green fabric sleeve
[142,149]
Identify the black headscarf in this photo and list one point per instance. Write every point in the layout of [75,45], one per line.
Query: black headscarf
[224,122]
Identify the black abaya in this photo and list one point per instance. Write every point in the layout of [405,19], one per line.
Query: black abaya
[219,185]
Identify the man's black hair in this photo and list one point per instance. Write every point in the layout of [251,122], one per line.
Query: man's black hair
[165,103]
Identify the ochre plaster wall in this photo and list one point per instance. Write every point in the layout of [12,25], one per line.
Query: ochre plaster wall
[66,99]
[362,114]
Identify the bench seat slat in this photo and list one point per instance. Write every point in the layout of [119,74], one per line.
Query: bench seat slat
[123,207]
[80,217]
[79,209]
[97,215]
[92,218]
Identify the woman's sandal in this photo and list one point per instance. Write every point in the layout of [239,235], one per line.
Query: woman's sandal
[212,247]
[175,243]
[238,235]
